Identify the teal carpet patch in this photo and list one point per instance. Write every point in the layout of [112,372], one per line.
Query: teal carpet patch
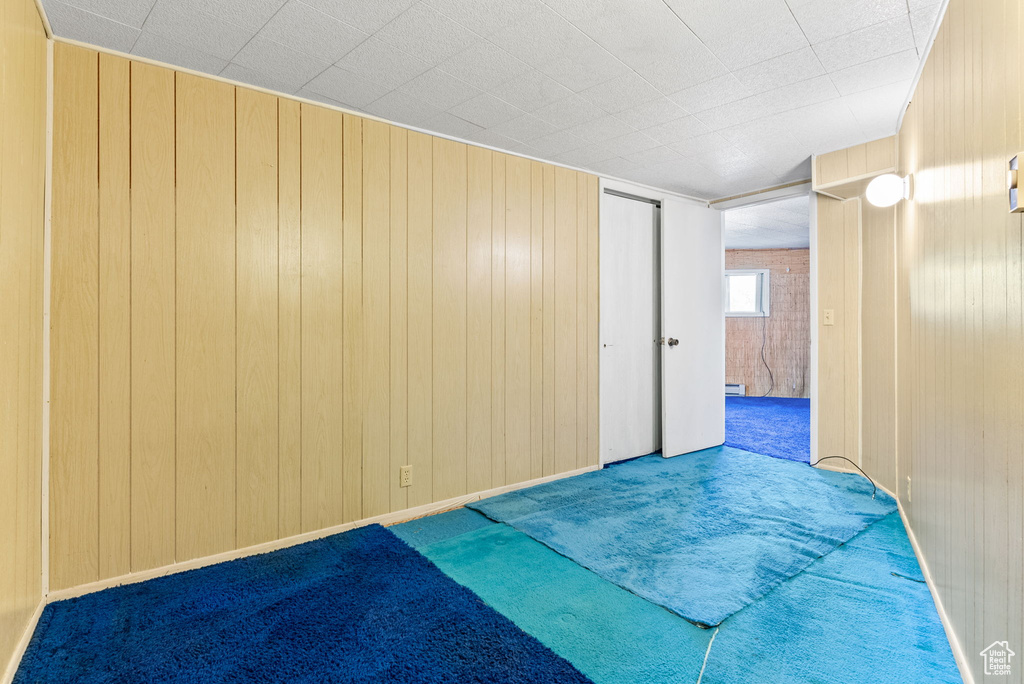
[860,614]
[607,633]
[703,534]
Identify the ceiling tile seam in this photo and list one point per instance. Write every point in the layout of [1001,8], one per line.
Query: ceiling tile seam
[699,39]
[627,66]
[811,45]
[781,111]
[321,72]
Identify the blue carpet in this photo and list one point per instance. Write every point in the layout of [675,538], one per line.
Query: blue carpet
[846,620]
[609,634]
[703,534]
[773,426]
[355,607]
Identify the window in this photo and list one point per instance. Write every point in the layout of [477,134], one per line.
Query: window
[747,293]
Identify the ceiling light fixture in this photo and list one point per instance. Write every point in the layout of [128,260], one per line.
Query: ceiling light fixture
[888,189]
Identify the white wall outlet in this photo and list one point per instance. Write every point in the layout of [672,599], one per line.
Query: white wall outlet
[405,476]
[909,499]
[829,317]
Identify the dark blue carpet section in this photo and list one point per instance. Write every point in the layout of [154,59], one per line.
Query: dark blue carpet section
[355,607]
[773,426]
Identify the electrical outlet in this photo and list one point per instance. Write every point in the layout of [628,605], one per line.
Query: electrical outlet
[830,317]
[909,498]
[405,476]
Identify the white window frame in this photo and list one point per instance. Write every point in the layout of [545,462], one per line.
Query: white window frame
[763,294]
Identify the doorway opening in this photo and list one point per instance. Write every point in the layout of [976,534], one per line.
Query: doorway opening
[767,308]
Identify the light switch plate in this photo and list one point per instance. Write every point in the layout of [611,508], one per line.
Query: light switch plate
[830,317]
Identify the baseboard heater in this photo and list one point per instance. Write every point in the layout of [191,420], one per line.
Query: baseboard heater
[735,390]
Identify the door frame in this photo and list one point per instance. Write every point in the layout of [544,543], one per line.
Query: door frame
[773,195]
[641,193]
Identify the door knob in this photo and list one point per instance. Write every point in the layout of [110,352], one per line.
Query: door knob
[672,341]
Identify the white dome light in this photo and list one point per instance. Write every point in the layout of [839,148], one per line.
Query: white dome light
[886,190]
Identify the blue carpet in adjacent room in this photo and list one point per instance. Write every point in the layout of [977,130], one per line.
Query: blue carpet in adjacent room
[609,634]
[702,534]
[774,426]
[355,607]
[860,614]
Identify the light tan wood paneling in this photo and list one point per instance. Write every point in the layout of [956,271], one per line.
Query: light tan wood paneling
[942,294]
[322,326]
[420,316]
[205,330]
[878,349]
[787,328]
[478,316]
[449,319]
[877,156]
[289,318]
[499,476]
[518,203]
[838,351]
[22,172]
[565,320]
[377,322]
[153,325]
[352,341]
[115,258]
[581,320]
[315,300]
[256,342]
[399,307]
[537,320]
[74,337]
[549,327]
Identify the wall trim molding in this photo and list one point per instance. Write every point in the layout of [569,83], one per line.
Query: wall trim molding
[19,649]
[277,544]
[947,625]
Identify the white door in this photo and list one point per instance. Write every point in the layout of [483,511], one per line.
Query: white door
[630,383]
[693,325]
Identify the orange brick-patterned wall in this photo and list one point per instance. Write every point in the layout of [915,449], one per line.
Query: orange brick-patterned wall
[788,326]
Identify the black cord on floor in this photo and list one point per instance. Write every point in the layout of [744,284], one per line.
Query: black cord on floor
[874,487]
[764,341]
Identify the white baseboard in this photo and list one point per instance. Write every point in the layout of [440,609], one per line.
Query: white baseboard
[954,641]
[19,650]
[385,519]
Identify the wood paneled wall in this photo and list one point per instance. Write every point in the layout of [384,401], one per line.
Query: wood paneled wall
[870,158]
[263,309]
[22,180]
[960,288]
[878,343]
[839,289]
[856,355]
[943,315]
[788,327]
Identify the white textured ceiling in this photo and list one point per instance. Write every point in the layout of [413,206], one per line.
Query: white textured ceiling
[708,98]
[784,224]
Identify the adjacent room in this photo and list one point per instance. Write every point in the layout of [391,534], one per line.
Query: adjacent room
[768,327]
[511,341]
